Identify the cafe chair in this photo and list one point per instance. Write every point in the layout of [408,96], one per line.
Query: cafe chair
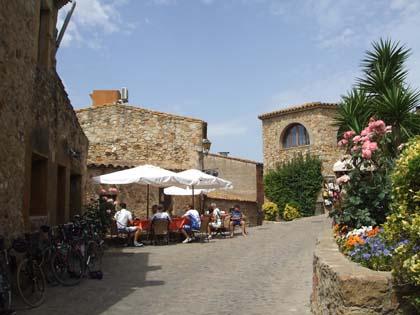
[202,233]
[160,230]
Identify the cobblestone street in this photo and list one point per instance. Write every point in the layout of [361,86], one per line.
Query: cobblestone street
[268,272]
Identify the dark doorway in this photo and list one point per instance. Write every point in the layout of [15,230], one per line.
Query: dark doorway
[61,195]
[75,194]
[165,200]
[39,175]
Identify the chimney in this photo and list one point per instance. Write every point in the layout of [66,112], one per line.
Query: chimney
[105,97]
[224,154]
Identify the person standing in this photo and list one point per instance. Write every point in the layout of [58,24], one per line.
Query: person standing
[124,220]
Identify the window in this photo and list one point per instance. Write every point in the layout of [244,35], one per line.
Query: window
[295,135]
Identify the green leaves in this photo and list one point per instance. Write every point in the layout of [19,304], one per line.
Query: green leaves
[297,181]
[382,93]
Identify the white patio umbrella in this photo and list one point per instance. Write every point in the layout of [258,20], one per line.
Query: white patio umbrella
[146,175]
[201,180]
[177,191]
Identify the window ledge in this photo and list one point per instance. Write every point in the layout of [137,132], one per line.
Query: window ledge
[306,146]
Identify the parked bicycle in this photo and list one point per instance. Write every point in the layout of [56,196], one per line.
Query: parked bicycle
[5,281]
[30,278]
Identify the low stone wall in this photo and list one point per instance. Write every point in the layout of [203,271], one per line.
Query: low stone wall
[344,287]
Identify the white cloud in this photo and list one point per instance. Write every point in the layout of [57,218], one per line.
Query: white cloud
[93,19]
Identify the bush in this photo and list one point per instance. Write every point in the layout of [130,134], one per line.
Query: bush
[298,180]
[270,210]
[291,212]
[368,192]
[403,225]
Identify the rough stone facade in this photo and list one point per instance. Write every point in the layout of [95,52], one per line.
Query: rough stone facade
[317,118]
[128,135]
[43,148]
[343,287]
[124,136]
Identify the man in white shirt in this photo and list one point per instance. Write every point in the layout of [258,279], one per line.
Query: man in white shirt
[124,220]
[195,223]
[216,216]
[161,214]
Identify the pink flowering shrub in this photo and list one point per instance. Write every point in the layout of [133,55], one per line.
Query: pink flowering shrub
[367,185]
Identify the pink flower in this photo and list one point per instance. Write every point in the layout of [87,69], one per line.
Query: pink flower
[367,154]
[373,146]
[366,144]
[113,190]
[343,142]
[357,139]
[401,146]
[365,132]
[388,129]
[355,148]
[349,134]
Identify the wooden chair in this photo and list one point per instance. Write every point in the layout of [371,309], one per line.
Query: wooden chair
[160,230]
[202,233]
[224,228]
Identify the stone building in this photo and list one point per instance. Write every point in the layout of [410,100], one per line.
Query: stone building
[307,128]
[123,136]
[43,147]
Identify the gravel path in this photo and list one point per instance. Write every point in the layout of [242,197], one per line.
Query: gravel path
[268,272]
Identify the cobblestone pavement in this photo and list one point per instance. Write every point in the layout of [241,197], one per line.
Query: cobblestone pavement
[268,272]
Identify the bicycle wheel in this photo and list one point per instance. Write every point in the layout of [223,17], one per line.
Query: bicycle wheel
[31,282]
[67,266]
[94,256]
[46,268]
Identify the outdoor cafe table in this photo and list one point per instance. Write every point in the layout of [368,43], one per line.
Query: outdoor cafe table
[176,224]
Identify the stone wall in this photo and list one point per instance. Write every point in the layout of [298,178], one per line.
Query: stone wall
[343,287]
[317,120]
[249,208]
[38,122]
[128,135]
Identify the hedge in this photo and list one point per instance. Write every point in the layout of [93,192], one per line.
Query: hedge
[297,181]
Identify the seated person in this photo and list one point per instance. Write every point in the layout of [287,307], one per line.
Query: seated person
[124,219]
[161,214]
[154,210]
[236,218]
[195,223]
[216,219]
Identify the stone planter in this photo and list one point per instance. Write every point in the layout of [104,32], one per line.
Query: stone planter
[344,287]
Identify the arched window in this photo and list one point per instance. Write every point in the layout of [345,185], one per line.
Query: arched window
[295,135]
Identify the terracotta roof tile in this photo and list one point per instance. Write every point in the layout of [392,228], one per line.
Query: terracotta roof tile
[297,108]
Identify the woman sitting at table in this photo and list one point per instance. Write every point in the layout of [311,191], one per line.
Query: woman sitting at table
[195,223]
[161,214]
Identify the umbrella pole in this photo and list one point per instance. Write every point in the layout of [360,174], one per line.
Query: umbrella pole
[147,200]
[192,196]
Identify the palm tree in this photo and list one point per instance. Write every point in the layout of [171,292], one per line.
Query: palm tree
[382,92]
[353,112]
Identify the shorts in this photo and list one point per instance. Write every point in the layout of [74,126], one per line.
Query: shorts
[188,227]
[128,229]
[215,225]
[236,222]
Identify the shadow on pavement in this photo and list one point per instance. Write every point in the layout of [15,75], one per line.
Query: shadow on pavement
[124,272]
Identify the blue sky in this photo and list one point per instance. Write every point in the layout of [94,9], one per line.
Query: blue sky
[227,61]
